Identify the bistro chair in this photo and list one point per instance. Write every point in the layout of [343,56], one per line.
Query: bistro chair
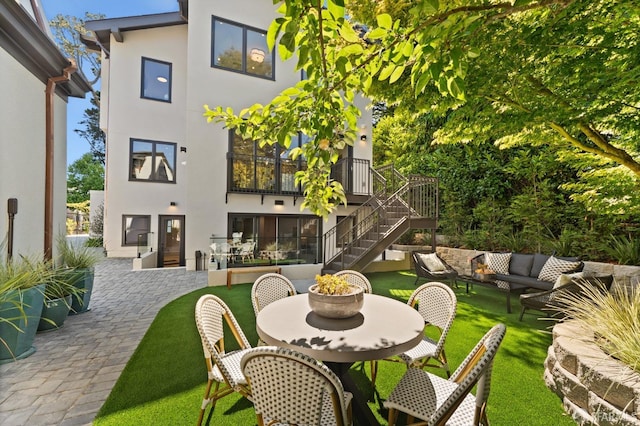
[439,401]
[223,367]
[437,303]
[289,387]
[355,278]
[267,289]
[432,267]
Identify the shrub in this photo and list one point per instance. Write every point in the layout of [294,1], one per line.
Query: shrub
[625,251]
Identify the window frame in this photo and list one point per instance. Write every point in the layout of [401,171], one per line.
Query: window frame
[124,228]
[153,177]
[145,59]
[244,52]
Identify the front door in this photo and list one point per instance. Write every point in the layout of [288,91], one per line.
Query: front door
[171,241]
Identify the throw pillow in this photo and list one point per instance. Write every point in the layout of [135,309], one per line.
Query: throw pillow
[432,262]
[498,262]
[554,267]
[564,279]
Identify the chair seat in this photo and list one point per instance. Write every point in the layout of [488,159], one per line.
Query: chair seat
[328,418]
[231,361]
[425,349]
[419,393]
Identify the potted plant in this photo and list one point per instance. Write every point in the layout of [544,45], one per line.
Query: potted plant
[58,295]
[483,273]
[334,297]
[22,285]
[82,260]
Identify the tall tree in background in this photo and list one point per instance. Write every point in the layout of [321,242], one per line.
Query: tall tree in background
[83,175]
[68,32]
[92,132]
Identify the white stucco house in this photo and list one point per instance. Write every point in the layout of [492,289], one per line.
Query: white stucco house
[176,184]
[36,81]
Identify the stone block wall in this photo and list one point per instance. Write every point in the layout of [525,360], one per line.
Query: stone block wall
[595,389]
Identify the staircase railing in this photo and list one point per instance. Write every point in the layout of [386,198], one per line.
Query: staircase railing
[417,197]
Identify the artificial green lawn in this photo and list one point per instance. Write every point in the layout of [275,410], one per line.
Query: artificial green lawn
[164,381]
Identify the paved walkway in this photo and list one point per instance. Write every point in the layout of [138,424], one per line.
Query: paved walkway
[73,370]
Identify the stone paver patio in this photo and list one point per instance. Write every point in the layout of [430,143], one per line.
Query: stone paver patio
[73,370]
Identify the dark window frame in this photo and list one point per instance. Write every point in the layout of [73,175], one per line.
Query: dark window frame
[142,75]
[153,178]
[244,28]
[278,162]
[124,228]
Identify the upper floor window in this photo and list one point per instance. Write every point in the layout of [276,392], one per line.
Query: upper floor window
[156,80]
[240,48]
[152,161]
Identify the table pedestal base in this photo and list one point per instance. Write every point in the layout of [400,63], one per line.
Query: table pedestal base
[362,414]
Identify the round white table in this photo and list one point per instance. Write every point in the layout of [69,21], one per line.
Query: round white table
[384,327]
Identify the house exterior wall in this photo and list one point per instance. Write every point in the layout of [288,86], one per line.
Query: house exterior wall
[22,163]
[200,189]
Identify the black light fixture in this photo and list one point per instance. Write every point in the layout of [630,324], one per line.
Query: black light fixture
[363,138]
[183,149]
[173,203]
[279,203]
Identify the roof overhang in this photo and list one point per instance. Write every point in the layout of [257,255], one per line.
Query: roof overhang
[23,39]
[103,29]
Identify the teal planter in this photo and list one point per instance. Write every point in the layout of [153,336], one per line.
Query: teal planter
[54,312]
[84,280]
[18,327]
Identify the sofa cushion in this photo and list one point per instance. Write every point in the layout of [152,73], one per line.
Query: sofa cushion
[432,262]
[538,262]
[525,281]
[554,267]
[520,264]
[498,262]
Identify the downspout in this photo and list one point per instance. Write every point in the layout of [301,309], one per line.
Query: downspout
[49,156]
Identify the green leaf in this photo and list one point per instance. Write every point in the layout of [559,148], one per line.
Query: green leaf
[348,33]
[336,9]
[432,5]
[473,52]
[397,73]
[386,72]
[422,82]
[376,33]
[384,20]
[351,49]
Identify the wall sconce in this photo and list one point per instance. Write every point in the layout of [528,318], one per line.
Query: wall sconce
[279,203]
[183,149]
[173,204]
[363,138]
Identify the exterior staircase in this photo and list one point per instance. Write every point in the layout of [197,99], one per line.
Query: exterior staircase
[397,205]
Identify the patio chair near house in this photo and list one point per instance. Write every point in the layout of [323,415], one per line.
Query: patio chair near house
[247,251]
[439,401]
[267,289]
[355,278]
[292,388]
[436,302]
[432,267]
[223,368]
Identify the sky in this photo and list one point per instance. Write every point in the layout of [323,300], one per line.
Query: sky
[77,146]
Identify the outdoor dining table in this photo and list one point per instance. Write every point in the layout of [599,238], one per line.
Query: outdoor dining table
[383,328]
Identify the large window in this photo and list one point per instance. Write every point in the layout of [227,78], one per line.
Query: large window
[239,48]
[135,229]
[152,161]
[284,239]
[156,80]
[263,169]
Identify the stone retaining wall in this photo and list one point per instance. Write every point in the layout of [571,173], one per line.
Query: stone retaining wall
[595,389]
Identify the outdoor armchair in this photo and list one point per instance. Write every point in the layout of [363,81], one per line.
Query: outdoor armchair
[223,367]
[438,401]
[432,267]
[289,387]
[550,301]
[437,303]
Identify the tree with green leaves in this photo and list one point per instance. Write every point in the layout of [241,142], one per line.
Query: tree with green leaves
[85,174]
[428,50]
[92,132]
